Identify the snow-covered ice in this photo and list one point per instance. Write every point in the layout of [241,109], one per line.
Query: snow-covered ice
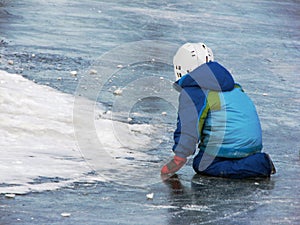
[39,150]
[37,137]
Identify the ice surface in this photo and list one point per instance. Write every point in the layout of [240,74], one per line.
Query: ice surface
[258,41]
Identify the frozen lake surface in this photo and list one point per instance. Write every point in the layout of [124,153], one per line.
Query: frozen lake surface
[87,110]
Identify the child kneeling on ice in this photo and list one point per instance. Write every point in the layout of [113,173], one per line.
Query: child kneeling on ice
[215,114]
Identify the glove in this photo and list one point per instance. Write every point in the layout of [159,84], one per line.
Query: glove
[174,165]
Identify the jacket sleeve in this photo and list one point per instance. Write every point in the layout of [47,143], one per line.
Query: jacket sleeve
[187,135]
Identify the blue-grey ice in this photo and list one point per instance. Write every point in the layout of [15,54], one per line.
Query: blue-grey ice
[88,110]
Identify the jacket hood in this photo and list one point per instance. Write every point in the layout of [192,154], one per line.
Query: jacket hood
[211,76]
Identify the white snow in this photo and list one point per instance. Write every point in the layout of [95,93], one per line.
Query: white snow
[37,138]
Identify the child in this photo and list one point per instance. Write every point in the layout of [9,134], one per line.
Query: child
[215,114]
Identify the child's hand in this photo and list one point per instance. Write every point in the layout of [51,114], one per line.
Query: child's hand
[174,165]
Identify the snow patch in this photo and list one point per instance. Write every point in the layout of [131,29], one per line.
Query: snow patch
[37,137]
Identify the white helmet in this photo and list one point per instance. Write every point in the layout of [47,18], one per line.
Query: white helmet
[189,56]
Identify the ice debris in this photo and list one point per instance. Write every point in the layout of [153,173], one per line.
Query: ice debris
[92,71]
[10,195]
[65,214]
[118,91]
[150,196]
[73,73]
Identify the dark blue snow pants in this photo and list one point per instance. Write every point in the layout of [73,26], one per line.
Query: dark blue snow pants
[256,165]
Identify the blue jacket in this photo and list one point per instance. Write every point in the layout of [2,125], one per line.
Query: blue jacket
[215,114]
